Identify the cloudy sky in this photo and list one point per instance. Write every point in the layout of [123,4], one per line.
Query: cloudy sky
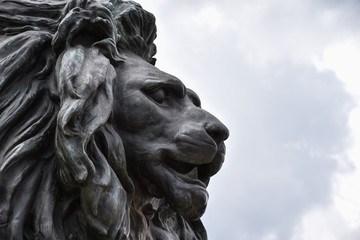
[283,75]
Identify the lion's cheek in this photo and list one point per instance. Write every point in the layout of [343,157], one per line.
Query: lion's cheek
[135,114]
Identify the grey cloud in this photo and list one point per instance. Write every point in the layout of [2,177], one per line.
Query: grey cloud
[280,151]
[287,120]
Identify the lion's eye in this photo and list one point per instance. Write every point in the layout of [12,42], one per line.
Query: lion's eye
[158,95]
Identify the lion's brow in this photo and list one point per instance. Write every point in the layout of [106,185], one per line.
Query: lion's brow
[175,85]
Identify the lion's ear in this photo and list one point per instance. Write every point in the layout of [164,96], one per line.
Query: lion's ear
[137,29]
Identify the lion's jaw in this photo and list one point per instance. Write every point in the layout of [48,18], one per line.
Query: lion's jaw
[172,145]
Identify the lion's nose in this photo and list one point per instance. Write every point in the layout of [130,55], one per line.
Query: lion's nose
[217,130]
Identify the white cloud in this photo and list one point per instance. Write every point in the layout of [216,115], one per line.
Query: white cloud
[341,220]
[343,58]
[210,17]
[320,223]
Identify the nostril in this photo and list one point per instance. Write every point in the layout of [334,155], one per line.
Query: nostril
[217,131]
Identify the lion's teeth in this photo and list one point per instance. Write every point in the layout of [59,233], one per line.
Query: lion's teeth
[193,173]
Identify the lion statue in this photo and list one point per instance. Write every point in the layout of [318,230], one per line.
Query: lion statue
[95,141]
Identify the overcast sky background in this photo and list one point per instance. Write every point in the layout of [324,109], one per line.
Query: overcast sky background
[283,75]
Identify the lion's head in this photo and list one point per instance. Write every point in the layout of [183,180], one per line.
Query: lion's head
[95,141]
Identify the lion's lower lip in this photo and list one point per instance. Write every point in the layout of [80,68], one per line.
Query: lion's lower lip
[190,180]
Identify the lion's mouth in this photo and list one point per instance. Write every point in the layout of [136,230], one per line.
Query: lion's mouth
[181,179]
[195,173]
[181,182]
[189,171]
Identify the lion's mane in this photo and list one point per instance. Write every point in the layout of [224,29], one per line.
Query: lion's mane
[60,158]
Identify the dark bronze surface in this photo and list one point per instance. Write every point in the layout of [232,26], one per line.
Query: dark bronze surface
[95,141]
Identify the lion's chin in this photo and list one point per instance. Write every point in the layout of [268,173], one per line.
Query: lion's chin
[184,193]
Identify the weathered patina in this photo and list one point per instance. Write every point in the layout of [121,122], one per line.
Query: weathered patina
[95,141]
